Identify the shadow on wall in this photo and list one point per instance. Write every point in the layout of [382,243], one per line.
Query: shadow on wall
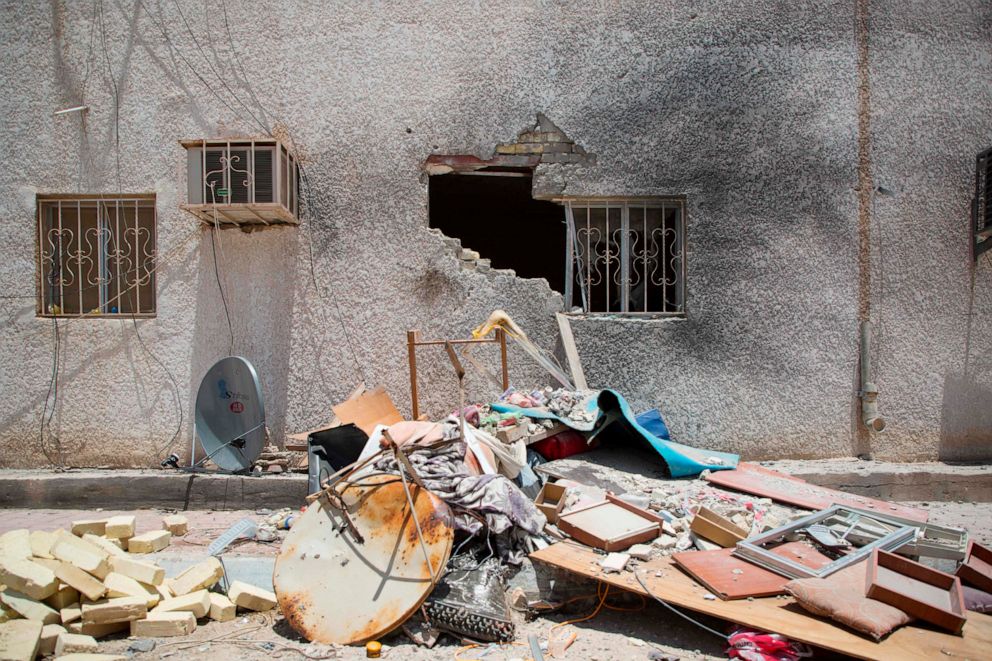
[966,419]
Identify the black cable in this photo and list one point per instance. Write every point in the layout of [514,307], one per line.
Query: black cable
[175,384]
[52,385]
[677,611]
[244,75]
[117,98]
[223,297]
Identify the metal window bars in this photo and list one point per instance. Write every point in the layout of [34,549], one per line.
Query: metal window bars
[96,255]
[627,256]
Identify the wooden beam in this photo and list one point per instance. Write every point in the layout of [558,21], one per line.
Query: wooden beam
[568,342]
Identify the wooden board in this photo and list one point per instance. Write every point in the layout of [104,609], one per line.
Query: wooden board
[368,410]
[568,342]
[753,479]
[775,614]
[715,570]
[608,526]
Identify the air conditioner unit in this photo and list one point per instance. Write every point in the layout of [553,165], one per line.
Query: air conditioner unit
[242,182]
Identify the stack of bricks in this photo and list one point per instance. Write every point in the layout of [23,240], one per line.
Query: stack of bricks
[61,590]
[547,141]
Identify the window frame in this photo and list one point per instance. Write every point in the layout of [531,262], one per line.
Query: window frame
[150,256]
[624,203]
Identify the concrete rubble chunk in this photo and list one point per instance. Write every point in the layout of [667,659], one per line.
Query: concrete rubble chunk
[197,603]
[87,586]
[28,608]
[80,553]
[99,630]
[92,526]
[615,562]
[27,577]
[640,551]
[66,595]
[144,572]
[175,524]
[41,543]
[118,609]
[120,527]
[198,577]
[119,585]
[19,640]
[149,542]
[68,643]
[222,609]
[251,597]
[165,624]
[49,634]
[16,544]
[111,547]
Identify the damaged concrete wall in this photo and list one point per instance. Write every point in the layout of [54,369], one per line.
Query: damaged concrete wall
[749,111]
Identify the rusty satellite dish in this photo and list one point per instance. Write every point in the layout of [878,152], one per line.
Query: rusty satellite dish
[352,567]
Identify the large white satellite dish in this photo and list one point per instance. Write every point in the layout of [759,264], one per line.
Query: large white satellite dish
[230,415]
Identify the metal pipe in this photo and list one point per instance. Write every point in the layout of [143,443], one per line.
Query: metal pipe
[869,391]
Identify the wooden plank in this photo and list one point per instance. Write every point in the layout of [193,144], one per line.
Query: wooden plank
[368,410]
[753,479]
[782,616]
[571,352]
[715,569]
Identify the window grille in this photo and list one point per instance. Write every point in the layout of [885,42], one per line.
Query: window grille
[982,211]
[626,256]
[242,182]
[96,255]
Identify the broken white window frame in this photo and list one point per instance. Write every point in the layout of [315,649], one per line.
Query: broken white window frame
[117,261]
[578,212]
[753,548]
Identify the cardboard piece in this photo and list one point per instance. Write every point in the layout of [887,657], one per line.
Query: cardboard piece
[781,615]
[918,590]
[368,410]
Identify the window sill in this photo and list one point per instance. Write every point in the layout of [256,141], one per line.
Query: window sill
[653,318]
[90,315]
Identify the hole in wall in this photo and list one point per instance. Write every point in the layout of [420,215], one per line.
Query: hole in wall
[493,213]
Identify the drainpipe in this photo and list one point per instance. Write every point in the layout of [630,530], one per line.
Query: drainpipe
[869,391]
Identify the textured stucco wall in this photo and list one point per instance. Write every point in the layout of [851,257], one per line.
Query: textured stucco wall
[750,109]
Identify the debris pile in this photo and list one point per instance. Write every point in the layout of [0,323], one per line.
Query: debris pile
[64,590]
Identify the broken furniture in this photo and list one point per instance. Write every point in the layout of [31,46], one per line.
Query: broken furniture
[924,593]
[550,500]
[718,529]
[755,549]
[664,580]
[976,570]
[754,479]
[360,560]
[610,525]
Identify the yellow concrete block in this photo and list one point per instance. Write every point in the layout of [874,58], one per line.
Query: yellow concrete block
[16,544]
[41,543]
[118,609]
[197,603]
[82,656]
[66,595]
[71,614]
[198,577]
[49,634]
[19,640]
[111,547]
[67,643]
[92,526]
[82,554]
[176,524]
[164,625]
[32,579]
[120,527]
[99,630]
[251,597]
[28,608]
[145,572]
[119,585]
[87,586]
[222,609]
[149,542]
[7,614]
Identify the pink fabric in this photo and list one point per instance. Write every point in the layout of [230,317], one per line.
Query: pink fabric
[841,597]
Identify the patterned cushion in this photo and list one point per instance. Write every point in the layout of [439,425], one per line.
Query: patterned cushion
[841,597]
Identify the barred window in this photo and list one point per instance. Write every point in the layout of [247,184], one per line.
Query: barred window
[626,255]
[982,211]
[96,255]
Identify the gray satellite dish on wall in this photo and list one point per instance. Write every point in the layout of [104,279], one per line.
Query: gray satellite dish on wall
[230,415]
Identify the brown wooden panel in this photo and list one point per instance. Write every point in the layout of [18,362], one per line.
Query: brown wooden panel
[368,410]
[753,479]
[775,614]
